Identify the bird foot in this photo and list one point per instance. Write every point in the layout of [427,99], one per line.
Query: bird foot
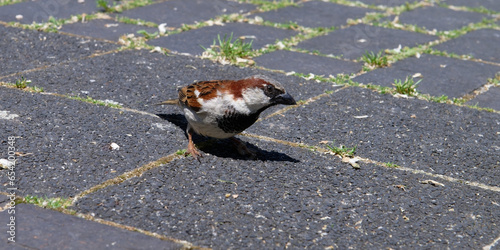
[192,148]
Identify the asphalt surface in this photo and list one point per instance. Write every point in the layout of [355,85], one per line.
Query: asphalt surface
[98,165]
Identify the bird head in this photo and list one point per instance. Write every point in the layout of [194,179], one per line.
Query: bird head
[260,92]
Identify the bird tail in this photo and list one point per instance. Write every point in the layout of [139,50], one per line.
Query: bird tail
[169,102]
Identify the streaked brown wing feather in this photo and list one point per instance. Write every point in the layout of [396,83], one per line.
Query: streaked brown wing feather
[206,89]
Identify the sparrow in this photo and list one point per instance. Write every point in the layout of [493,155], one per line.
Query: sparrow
[223,108]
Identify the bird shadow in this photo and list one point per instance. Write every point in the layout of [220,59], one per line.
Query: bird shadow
[224,147]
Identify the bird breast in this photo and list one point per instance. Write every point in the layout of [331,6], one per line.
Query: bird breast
[221,117]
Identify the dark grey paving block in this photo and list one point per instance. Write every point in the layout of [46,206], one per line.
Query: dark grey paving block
[442,18]
[306,63]
[5,200]
[39,11]
[389,3]
[480,44]
[353,42]
[177,12]
[438,138]
[440,75]
[138,78]
[38,228]
[27,49]
[315,14]
[105,29]
[314,203]
[488,4]
[489,99]
[191,41]
[66,143]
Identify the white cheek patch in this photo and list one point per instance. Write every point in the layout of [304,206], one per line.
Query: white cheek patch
[255,98]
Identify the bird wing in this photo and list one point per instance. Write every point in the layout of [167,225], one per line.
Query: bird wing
[205,90]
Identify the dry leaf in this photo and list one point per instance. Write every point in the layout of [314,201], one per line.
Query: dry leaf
[352,161]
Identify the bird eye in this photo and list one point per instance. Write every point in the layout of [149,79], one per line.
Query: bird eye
[269,88]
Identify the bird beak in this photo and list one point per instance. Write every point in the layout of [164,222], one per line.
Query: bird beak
[285,99]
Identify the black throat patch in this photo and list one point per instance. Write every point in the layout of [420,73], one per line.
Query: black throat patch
[234,122]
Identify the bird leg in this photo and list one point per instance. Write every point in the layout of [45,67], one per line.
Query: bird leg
[243,149]
[191,147]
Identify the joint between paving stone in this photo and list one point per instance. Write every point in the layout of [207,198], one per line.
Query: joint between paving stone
[127,175]
[492,244]
[185,244]
[66,62]
[377,163]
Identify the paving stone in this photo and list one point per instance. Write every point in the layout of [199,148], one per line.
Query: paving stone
[316,202]
[191,41]
[177,12]
[38,49]
[138,78]
[315,14]
[440,75]
[105,29]
[66,143]
[287,197]
[39,11]
[305,63]
[5,200]
[437,138]
[354,41]
[38,228]
[489,99]
[388,3]
[443,18]
[488,4]
[480,44]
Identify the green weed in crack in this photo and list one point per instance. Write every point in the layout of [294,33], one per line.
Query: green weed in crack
[104,4]
[22,83]
[406,87]
[228,50]
[342,150]
[391,165]
[52,203]
[375,60]
[271,5]
[148,35]
[495,81]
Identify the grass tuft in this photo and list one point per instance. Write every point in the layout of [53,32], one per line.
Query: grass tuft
[375,60]
[342,150]
[148,35]
[181,152]
[104,4]
[228,50]
[391,165]
[52,203]
[22,83]
[408,87]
